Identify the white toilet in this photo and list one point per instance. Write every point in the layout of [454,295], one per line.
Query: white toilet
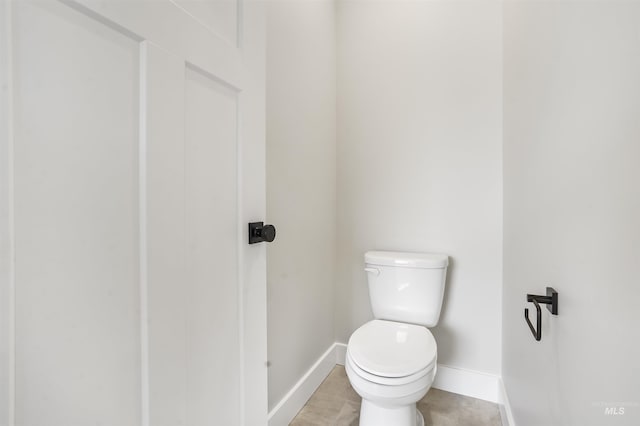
[391,360]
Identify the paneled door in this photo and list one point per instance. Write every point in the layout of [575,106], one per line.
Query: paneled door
[131,161]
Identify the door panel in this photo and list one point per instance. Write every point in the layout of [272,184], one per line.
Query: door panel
[213,329]
[76,218]
[134,157]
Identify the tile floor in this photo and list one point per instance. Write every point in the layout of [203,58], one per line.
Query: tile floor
[335,403]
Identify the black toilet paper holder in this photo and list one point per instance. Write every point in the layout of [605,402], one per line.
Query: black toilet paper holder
[551,300]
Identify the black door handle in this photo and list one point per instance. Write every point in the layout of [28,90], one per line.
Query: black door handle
[259,232]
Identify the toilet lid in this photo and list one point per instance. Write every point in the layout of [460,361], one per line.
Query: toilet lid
[392,349]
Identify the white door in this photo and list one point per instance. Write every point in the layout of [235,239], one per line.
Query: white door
[131,160]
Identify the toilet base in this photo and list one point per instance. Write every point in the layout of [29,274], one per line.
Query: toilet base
[376,415]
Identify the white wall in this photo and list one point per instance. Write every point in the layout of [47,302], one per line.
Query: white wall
[419,160]
[301,187]
[572,209]
[6,358]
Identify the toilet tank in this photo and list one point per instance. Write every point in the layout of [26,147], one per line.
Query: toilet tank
[406,287]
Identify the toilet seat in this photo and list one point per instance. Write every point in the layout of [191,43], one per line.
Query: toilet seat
[389,352]
[389,381]
[392,349]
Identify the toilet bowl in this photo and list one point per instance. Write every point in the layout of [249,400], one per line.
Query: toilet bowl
[391,360]
[391,366]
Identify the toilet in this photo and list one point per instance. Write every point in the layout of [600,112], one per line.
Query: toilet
[391,360]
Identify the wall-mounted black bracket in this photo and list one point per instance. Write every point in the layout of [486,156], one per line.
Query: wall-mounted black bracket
[551,300]
[259,232]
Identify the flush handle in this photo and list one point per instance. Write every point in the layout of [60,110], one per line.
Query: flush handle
[374,271]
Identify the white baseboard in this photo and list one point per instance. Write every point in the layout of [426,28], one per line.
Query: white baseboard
[467,382]
[488,387]
[294,400]
[505,407]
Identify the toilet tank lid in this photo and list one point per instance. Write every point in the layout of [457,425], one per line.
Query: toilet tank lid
[407,260]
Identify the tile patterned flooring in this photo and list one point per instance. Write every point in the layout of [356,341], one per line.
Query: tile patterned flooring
[335,403]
